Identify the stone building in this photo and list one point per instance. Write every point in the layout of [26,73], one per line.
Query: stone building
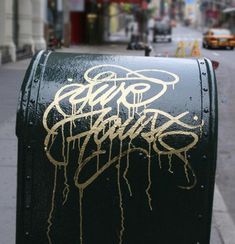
[216,13]
[21,28]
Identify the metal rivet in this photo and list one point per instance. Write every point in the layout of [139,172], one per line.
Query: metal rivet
[30,123]
[203,73]
[202,186]
[28,177]
[199,216]
[36,80]
[204,157]
[206,110]
[205,89]
[188,156]
[29,147]
[27,233]
[27,206]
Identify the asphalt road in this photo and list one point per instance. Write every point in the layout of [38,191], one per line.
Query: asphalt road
[226,144]
[225,74]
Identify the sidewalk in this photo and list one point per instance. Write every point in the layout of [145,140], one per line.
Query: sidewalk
[120,37]
[11,76]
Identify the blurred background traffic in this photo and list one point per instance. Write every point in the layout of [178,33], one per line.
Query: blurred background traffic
[27,26]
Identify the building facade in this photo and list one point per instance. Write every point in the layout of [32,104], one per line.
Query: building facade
[21,28]
[216,13]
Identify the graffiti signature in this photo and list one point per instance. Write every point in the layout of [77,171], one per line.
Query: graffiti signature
[117,101]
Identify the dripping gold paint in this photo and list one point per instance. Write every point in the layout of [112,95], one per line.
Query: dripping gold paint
[130,94]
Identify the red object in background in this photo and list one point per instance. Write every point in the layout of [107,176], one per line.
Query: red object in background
[215,64]
[144,5]
[212,13]
[78,27]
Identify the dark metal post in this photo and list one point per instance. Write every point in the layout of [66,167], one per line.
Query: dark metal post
[147,50]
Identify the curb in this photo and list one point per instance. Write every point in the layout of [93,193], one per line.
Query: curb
[222,219]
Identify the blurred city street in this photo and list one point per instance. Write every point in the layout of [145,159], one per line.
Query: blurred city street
[157,28]
[11,76]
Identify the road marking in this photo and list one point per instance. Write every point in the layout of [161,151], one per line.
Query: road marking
[186,39]
[216,54]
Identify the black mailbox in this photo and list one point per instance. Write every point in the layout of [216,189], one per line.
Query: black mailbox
[116,149]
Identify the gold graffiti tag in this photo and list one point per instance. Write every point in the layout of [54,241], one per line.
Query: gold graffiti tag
[117,103]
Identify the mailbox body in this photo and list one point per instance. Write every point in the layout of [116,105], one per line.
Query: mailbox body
[115,149]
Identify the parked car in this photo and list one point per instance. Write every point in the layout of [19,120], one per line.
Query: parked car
[162,31]
[216,38]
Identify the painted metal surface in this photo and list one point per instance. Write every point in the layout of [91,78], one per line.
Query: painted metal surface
[116,149]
